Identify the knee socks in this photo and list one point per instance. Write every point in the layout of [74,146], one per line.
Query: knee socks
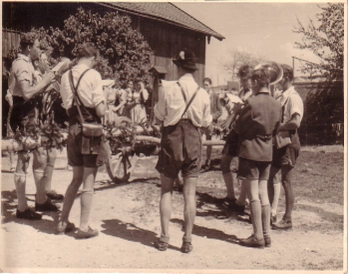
[86,204]
[20,183]
[266,219]
[255,207]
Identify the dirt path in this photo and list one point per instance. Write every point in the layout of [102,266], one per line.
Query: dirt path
[127,217]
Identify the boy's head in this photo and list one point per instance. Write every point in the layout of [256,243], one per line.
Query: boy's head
[30,44]
[244,74]
[288,77]
[260,78]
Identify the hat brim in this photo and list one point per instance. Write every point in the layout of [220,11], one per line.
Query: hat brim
[180,63]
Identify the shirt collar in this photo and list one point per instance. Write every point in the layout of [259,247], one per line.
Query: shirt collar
[286,94]
[23,57]
[264,90]
[187,76]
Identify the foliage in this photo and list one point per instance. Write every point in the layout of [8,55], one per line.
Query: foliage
[325,106]
[236,58]
[124,53]
[123,50]
[326,41]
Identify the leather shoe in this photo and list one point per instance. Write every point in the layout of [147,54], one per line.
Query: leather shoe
[86,234]
[267,240]
[232,206]
[28,214]
[160,245]
[46,206]
[65,228]
[282,225]
[252,242]
[53,195]
[186,247]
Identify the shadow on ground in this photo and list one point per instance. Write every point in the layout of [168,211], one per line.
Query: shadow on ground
[130,232]
[209,232]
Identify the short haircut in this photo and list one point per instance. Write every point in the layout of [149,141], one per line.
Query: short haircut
[262,76]
[245,71]
[288,72]
[207,79]
[27,39]
[87,50]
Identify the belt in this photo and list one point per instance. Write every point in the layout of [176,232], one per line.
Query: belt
[264,136]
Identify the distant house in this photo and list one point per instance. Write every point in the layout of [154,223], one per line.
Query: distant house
[167,28]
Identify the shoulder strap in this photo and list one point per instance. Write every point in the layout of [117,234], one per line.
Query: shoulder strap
[182,91]
[189,103]
[76,96]
[283,109]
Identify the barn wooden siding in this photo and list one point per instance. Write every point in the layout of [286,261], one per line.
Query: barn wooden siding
[10,38]
[165,40]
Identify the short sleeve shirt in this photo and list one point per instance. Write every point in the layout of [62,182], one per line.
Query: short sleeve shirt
[22,70]
[171,103]
[90,89]
[292,103]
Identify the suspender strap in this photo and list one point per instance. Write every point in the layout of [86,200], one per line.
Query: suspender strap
[76,96]
[189,103]
[283,109]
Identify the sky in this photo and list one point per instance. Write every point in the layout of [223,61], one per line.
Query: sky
[264,29]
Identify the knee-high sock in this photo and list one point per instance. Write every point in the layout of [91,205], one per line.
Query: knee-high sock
[20,183]
[48,177]
[266,217]
[86,205]
[39,177]
[255,207]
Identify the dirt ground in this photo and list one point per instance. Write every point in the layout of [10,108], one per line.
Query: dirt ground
[127,217]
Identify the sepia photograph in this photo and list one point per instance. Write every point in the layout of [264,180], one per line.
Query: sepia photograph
[174,137]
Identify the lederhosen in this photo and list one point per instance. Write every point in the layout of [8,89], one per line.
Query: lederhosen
[181,147]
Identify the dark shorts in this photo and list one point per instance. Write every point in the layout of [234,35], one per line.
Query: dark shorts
[181,148]
[74,145]
[24,114]
[231,144]
[253,170]
[287,156]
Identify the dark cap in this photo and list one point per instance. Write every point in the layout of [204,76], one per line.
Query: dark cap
[186,59]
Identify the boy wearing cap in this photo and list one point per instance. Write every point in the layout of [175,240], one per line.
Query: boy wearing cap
[284,158]
[184,108]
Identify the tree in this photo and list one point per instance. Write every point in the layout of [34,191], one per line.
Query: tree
[325,105]
[236,58]
[124,53]
[326,41]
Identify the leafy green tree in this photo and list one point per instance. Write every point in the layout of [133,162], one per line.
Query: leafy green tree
[124,53]
[326,41]
[324,106]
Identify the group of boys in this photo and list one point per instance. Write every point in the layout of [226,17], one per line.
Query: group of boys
[184,109]
[258,120]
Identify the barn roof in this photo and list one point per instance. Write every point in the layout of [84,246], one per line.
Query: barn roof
[165,12]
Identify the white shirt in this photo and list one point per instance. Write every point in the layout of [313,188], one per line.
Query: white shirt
[293,104]
[171,103]
[90,89]
[22,70]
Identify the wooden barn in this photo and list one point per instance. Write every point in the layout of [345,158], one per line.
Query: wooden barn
[167,28]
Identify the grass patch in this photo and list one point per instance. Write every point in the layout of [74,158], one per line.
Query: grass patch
[319,177]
